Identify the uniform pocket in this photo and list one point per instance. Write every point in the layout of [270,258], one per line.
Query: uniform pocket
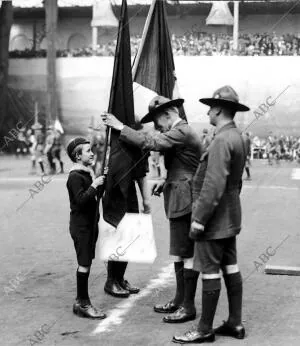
[178,197]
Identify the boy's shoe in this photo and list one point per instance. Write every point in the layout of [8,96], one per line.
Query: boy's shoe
[227,329]
[87,311]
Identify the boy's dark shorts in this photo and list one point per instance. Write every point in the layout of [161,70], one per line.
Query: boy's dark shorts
[84,245]
[213,255]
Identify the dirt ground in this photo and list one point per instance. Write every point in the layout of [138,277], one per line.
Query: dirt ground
[37,282]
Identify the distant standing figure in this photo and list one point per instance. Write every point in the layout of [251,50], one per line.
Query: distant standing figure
[56,149]
[205,140]
[39,145]
[22,147]
[48,149]
[32,145]
[248,154]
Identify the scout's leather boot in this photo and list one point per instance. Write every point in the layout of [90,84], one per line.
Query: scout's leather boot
[226,329]
[194,337]
[180,316]
[126,286]
[113,288]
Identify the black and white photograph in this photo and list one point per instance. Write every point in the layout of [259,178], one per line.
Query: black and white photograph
[149,172]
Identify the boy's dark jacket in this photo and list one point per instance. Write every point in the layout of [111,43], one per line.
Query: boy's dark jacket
[83,200]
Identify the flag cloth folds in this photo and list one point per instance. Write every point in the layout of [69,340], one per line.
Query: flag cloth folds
[154,68]
[120,194]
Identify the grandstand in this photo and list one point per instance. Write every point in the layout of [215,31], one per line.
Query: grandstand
[258,21]
[267,28]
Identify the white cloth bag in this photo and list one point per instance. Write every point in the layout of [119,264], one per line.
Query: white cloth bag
[132,241]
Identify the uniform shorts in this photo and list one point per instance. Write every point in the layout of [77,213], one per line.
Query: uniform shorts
[213,255]
[180,243]
[84,245]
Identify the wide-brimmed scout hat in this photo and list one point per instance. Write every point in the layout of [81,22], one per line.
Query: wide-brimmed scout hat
[159,104]
[227,97]
[74,143]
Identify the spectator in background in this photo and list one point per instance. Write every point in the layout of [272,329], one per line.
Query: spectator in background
[56,149]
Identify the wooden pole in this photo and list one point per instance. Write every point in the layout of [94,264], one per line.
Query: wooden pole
[51,27]
[236,26]
[94,38]
[6,19]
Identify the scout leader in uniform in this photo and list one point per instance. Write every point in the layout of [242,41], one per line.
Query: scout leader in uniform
[182,149]
[216,219]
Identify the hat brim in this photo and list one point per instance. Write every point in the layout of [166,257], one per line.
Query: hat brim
[150,116]
[221,102]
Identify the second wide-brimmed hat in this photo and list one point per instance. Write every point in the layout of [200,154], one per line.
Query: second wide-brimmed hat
[225,96]
[159,104]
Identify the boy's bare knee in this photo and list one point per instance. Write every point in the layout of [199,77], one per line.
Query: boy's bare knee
[82,269]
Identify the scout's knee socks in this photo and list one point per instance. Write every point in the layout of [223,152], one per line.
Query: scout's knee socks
[210,296]
[234,286]
[179,295]
[190,286]
[82,288]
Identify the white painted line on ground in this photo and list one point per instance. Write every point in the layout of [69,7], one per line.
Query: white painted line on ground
[295,174]
[270,187]
[116,315]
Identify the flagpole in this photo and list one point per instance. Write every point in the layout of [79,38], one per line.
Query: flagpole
[236,26]
[141,46]
[108,129]
[105,162]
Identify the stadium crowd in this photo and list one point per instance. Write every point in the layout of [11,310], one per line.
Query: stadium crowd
[194,43]
[276,148]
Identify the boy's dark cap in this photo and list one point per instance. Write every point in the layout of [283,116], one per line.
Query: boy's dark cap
[74,143]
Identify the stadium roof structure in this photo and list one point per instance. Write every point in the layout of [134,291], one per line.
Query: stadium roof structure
[87,3]
[82,8]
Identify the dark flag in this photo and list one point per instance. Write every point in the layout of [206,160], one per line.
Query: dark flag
[120,194]
[153,68]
